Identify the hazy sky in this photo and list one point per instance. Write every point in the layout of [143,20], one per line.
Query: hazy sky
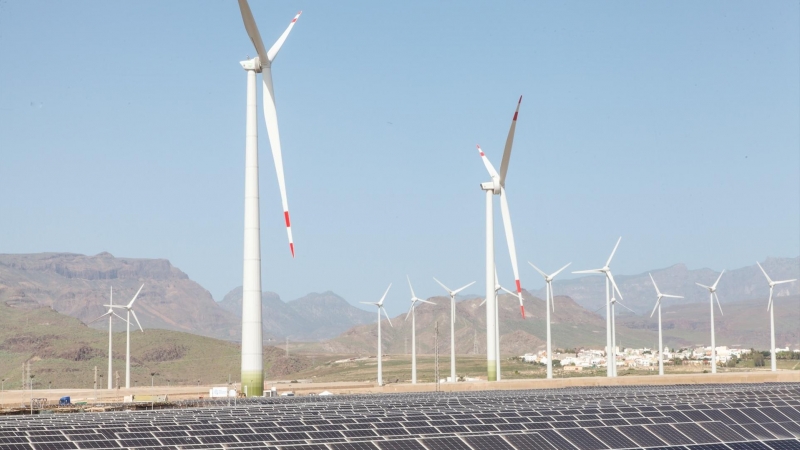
[673,124]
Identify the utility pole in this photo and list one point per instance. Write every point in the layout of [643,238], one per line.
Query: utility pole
[287,345]
[436,355]
[475,343]
[116,377]
[95,383]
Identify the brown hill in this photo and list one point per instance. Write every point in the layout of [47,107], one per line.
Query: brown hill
[304,319]
[735,286]
[573,326]
[742,324]
[79,285]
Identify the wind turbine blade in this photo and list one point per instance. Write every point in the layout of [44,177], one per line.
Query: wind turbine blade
[369,303]
[552,298]
[137,320]
[489,166]
[462,288]
[559,271]
[671,296]
[95,320]
[703,286]
[654,285]
[769,304]
[442,285]
[613,251]
[276,47]
[623,305]
[252,31]
[509,144]
[120,317]
[720,306]
[538,270]
[380,303]
[483,302]
[714,286]
[588,271]
[409,310]
[271,119]
[425,301]
[614,284]
[598,309]
[655,307]
[784,281]
[512,250]
[387,316]
[496,279]
[130,305]
[507,291]
[521,306]
[413,296]
[764,272]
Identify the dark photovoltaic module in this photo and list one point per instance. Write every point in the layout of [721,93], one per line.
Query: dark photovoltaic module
[697,417]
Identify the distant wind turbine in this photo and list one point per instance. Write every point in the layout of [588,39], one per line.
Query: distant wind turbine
[380,349]
[129,309]
[611,356]
[712,294]
[549,304]
[111,314]
[771,308]
[658,307]
[412,313]
[453,294]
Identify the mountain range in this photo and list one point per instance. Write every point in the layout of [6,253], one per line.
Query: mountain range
[79,286]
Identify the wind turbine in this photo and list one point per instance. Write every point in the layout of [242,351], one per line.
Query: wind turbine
[411,311]
[658,307]
[111,314]
[129,310]
[712,294]
[252,340]
[606,270]
[453,326]
[492,188]
[380,350]
[771,308]
[549,304]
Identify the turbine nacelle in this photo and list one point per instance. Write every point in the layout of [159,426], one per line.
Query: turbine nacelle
[253,64]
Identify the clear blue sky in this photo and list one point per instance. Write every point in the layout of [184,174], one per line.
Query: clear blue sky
[672,124]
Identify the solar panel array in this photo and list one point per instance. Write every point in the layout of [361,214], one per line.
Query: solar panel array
[699,417]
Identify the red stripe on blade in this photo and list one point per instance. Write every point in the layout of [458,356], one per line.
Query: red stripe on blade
[520,100]
[522,309]
[286,216]
[291,247]
[515,116]
[519,288]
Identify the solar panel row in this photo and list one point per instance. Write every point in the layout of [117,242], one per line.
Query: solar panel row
[697,416]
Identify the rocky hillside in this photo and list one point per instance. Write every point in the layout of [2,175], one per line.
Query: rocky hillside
[572,326]
[741,324]
[746,283]
[79,286]
[304,319]
[63,351]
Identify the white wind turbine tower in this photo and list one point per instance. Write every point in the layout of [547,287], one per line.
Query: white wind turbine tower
[380,349]
[497,288]
[129,309]
[453,294]
[111,314]
[412,312]
[712,294]
[252,340]
[771,308]
[658,307]
[548,305]
[611,357]
[492,188]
